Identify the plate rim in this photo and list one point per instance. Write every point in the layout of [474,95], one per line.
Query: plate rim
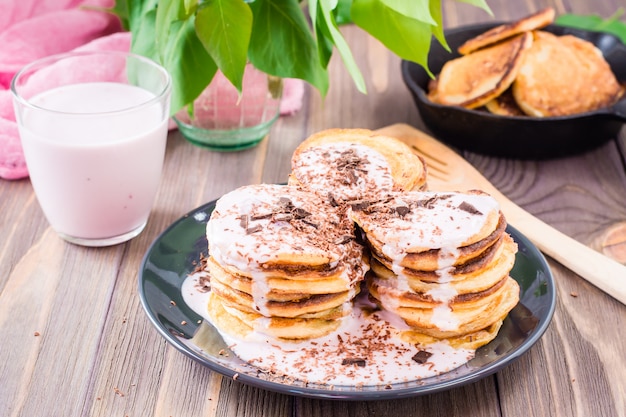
[355,395]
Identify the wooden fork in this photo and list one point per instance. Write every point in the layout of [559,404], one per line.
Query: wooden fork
[448,171]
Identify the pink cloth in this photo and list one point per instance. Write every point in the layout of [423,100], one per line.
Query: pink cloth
[12,164]
[29,40]
[293,93]
[32,29]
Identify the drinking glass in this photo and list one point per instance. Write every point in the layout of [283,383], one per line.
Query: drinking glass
[93,126]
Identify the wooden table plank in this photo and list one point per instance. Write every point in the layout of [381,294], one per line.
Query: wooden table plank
[455,402]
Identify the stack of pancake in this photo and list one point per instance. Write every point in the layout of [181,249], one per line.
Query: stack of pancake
[516,69]
[441,262]
[352,164]
[286,260]
[282,263]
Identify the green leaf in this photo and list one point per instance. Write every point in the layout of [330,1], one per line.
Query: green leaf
[121,10]
[168,11]
[224,28]
[342,12]
[142,41]
[325,44]
[330,30]
[437,29]
[416,9]
[482,4]
[281,43]
[407,37]
[190,5]
[132,12]
[189,64]
[596,23]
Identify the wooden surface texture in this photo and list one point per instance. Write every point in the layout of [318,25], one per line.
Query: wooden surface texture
[75,341]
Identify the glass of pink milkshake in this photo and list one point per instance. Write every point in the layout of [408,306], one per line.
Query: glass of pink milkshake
[93,126]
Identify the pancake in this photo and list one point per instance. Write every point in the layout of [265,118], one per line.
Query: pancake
[287,261]
[242,324]
[429,230]
[437,258]
[351,164]
[459,316]
[456,280]
[271,228]
[564,75]
[529,23]
[472,340]
[279,288]
[504,105]
[441,263]
[286,307]
[473,80]
[282,261]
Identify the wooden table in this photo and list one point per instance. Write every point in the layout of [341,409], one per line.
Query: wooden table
[75,341]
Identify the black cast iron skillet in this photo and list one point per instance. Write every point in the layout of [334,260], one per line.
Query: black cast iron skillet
[516,136]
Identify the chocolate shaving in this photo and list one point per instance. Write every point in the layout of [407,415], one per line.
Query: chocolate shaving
[310,223]
[331,200]
[422,357]
[352,176]
[204,284]
[465,206]
[354,361]
[344,239]
[349,164]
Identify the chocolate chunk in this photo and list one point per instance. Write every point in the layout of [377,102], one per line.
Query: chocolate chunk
[421,357]
[354,361]
[285,203]
[254,229]
[344,239]
[310,223]
[465,206]
[300,213]
[360,204]
[331,200]
[428,203]
[243,221]
[402,210]
[282,217]
[352,176]
[261,216]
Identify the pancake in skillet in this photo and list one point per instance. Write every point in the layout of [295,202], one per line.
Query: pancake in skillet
[504,105]
[473,80]
[564,75]
[499,33]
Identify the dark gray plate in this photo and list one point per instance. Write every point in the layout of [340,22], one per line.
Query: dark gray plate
[517,137]
[176,252]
